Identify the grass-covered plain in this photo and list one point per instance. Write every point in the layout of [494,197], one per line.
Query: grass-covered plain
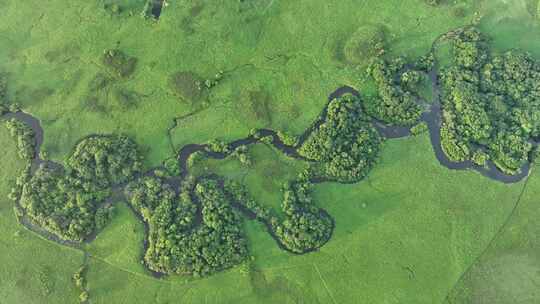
[120,243]
[406,234]
[288,52]
[265,177]
[508,271]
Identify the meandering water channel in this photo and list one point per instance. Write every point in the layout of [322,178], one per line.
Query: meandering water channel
[432,118]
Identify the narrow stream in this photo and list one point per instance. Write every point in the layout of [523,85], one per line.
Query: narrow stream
[157,6]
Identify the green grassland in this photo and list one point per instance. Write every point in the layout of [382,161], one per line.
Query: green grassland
[412,232]
[120,242]
[508,270]
[289,52]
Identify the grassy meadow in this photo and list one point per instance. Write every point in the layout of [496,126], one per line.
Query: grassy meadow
[280,60]
[412,232]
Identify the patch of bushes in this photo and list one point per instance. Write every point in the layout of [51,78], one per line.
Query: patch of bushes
[287,139]
[490,102]
[396,102]
[218,146]
[178,242]
[113,8]
[172,166]
[152,9]
[346,145]
[420,128]
[25,138]
[242,154]
[81,284]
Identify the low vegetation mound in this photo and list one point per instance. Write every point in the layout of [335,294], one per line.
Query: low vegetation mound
[119,63]
[365,43]
[187,85]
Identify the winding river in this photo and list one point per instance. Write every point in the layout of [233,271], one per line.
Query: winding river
[432,118]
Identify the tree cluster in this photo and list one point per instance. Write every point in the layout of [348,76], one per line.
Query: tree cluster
[306,227]
[70,204]
[106,160]
[491,104]
[346,145]
[61,204]
[182,241]
[25,138]
[396,102]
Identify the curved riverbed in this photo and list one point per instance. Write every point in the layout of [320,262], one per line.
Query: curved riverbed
[432,117]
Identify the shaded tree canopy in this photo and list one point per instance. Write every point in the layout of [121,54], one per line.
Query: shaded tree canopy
[345,145]
[106,160]
[491,103]
[181,241]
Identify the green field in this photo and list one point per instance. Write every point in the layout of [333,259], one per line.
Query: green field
[412,231]
[53,62]
[507,271]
